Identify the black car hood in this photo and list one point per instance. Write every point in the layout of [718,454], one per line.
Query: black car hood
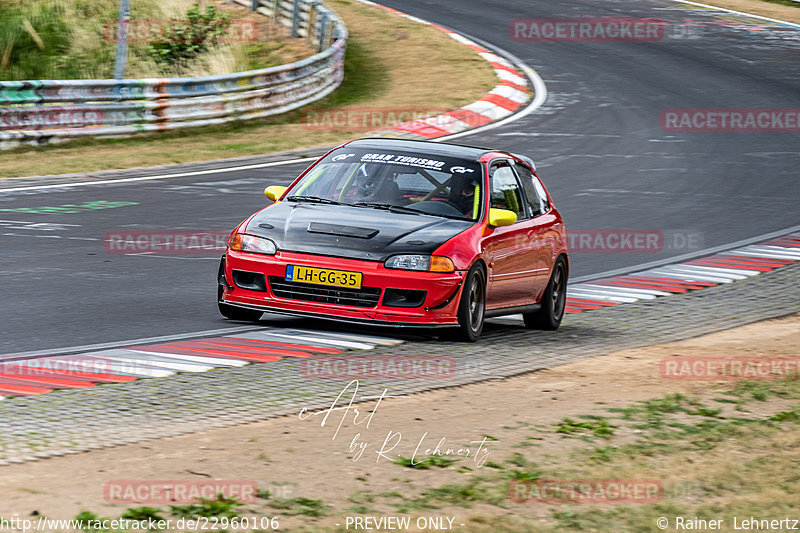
[352,232]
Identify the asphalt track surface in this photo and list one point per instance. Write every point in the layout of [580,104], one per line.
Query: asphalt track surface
[597,141]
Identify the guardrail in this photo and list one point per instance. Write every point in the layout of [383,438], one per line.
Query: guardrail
[45,111]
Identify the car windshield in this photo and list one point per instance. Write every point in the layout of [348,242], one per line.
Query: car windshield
[395,181]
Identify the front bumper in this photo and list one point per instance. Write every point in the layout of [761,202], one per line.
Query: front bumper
[371,305]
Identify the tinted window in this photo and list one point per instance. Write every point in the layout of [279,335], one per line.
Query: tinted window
[505,190]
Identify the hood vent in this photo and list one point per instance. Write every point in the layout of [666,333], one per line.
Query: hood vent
[342,231]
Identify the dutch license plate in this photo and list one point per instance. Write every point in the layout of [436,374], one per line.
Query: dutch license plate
[323,276]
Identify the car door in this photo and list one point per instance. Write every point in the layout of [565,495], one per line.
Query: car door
[542,232]
[510,258]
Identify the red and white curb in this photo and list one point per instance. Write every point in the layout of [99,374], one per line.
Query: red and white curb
[31,375]
[512,93]
[40,375]
[725,267]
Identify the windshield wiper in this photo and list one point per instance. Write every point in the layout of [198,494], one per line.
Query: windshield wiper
[312,199]
[407,210]
[390,207]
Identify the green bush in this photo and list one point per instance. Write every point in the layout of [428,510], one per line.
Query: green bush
[183,40]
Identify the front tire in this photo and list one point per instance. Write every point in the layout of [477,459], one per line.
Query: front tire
[472,306]
[554,299]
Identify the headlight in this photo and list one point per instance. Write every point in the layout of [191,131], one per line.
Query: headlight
[250,243]
[424,263]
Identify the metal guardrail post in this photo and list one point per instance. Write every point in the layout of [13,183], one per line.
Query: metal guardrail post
[295,17]
[312,20]
[276,7]
[331,33]
[323,31]
[122,39]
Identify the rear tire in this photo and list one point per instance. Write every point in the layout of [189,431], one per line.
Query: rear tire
[554,299]
[472,306]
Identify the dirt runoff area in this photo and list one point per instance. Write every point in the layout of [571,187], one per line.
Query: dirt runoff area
[498,432]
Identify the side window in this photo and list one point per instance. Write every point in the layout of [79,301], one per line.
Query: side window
[505,190]
[534,192]
[542,194]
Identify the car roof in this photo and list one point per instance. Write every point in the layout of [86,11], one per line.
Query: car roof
[434,148]
[431,148]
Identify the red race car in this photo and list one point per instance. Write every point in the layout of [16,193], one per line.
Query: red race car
[403,233]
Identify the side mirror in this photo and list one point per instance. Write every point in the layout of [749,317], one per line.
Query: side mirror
[501,217]
[274,192]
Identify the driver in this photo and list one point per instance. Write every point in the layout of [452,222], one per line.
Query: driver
[462,194]
[372,185]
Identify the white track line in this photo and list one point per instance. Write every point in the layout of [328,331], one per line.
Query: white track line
[161,176]
[707,6]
